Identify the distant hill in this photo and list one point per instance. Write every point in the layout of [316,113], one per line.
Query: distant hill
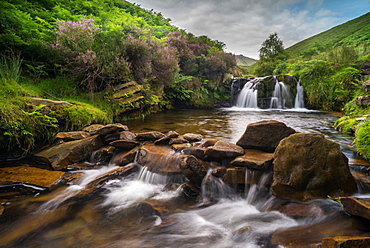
[353,32]
[242,60]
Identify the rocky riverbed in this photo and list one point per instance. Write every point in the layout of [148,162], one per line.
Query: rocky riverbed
[300,170]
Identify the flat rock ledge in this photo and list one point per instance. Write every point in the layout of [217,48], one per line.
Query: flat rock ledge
[30,175]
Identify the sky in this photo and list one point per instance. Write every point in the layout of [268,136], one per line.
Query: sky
[243,25]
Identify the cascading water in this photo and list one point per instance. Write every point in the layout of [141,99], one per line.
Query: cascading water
[299,98]
[248,96]
[280,96]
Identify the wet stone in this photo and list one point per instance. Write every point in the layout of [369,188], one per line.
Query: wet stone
[124,157]
[192,137]
[110,128]
[254,159]
[149,135]
[30,175]
[125,144]
[68,136]
[224,149]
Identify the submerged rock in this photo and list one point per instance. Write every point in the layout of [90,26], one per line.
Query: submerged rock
[309,166]
[264,135]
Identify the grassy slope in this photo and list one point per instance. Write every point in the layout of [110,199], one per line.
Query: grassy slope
[351,32]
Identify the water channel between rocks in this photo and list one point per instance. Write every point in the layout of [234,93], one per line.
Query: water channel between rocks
[137,211]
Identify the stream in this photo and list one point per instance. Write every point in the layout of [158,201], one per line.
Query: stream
[145,210]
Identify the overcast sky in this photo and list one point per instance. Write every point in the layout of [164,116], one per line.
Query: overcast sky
[244,24]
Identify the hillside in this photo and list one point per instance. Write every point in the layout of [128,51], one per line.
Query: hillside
[353,32]
[242,60]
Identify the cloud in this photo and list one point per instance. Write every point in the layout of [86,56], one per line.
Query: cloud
[244,24]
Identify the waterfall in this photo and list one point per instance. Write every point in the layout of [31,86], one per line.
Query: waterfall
[299,98]
[248,95]
[281,96]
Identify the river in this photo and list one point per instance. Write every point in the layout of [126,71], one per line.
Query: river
[121,214]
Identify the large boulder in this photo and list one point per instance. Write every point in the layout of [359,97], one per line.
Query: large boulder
[264,135]
[309,166]
[67,153]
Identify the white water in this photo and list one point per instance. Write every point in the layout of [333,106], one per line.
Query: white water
[248,96]
[280,96]
[299,98]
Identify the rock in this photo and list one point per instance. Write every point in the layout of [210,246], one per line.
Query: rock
[178,140]
[67,153]
[102,179]
[309,166]
[224,149]
[366,86]
[159,159]
[357,206]
[237,175]
[92,128]
[347,241]
[192,137]
[210,142]
[48,102]
[299,210]
[68,136]
[124,135]
[311,235]
[166,139]
[123,93]
[180,147]
[198,152]
[149,135]
[365,70]
[124,157]
[30,175]
[219,171]
[362,100]
[264,135]
[254,159]
[103,154]
[193,169]
[126,144]
[110,128]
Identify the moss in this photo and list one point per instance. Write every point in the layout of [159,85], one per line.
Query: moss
[78,116]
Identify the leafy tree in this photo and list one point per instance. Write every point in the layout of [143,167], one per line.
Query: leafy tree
[271,53]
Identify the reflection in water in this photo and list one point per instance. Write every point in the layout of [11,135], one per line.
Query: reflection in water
[229,124]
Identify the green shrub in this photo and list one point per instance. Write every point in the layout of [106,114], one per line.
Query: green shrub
[362,139]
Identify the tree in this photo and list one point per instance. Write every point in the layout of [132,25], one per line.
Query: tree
[271,53]
[271,47]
